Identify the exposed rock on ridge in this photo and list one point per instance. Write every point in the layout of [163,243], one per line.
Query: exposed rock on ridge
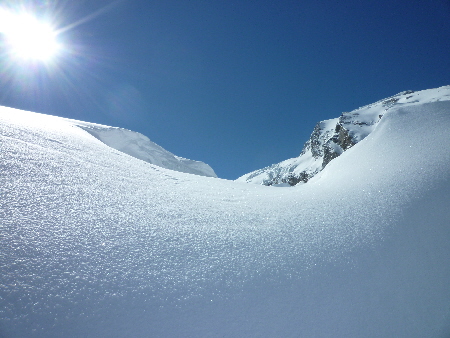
[329,139]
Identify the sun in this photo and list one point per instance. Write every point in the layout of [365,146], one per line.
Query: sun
[28,38]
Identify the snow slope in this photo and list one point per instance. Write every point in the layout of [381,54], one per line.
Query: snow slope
[140,146]
[95,243]
[330,138]
[129,142]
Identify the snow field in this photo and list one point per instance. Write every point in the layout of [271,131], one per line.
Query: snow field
[98,243]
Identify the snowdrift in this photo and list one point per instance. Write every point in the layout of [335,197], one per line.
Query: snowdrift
[139,146]
[95,242]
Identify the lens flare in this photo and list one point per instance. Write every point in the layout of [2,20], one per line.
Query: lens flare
[46,61]
[27,37]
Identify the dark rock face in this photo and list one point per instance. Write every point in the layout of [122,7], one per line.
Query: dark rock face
[314,142]
[343,137]
[294,179]
[336,145]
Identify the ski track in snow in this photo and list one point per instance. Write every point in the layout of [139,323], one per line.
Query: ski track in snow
[94,240]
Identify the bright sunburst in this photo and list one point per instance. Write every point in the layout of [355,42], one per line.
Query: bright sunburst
[27,37]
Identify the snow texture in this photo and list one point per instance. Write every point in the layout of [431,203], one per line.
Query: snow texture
[96,243]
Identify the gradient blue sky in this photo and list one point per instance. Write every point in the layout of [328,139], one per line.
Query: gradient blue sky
[236,84]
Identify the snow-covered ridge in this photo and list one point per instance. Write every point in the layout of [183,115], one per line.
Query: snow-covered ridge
[137,145]
[331,138]
[126,141]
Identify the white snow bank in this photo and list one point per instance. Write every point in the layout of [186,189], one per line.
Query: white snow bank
[97,243]
[139,146]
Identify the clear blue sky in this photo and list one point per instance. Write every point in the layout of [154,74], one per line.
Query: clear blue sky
[236,84]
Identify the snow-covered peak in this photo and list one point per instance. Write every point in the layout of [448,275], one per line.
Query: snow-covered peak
[331,138]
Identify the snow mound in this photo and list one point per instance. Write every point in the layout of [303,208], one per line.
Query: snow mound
[331,138]
[140,147]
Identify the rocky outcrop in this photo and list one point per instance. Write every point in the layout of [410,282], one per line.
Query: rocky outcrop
[329,139]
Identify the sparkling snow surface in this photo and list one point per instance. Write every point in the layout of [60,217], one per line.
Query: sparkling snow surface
[97,243]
